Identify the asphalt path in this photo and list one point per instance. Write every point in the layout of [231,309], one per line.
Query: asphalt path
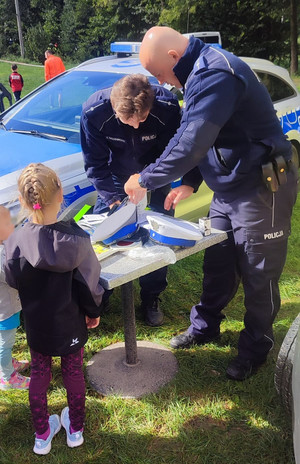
[23,64]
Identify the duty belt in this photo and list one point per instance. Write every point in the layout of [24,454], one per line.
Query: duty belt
[274,172]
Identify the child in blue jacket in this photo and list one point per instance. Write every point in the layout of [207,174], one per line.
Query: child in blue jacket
[9,320]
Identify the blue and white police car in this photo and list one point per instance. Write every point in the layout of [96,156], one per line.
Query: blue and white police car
[44,126]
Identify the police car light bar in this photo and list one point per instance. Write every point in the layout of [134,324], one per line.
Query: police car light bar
[125,47]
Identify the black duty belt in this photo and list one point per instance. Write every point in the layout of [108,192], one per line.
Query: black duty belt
[274,172]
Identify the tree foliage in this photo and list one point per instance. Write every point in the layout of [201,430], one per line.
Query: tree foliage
[36,42]
[85,28]
[68,35]
[250,28]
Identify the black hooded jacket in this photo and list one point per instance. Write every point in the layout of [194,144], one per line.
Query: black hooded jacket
[56,272]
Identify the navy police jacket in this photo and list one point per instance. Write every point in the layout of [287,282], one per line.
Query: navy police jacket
[111,148]
[229,126]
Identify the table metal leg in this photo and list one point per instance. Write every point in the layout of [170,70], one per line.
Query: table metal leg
[116,370]
[129,323]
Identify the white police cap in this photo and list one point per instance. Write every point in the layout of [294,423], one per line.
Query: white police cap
[121,224]
[172,231]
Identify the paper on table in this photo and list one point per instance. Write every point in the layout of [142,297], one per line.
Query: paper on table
[103,252]
[157,252]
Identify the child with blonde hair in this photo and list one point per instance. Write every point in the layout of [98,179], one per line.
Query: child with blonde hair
[55,269]
[9,319]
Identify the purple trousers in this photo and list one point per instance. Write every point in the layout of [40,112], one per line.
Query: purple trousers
[73,378]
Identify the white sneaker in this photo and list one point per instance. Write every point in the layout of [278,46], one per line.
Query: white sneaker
[44,446]
[73,439]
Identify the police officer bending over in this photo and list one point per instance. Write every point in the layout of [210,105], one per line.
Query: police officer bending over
[124,129]
[230,131]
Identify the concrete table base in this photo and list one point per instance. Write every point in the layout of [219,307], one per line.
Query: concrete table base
[109,374]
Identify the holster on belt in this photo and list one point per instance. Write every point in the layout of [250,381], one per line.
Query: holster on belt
[274,173]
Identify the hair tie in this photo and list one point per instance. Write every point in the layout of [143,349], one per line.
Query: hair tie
[37,206]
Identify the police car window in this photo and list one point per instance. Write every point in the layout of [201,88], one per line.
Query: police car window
[277,88]
[56,107]
[210,39]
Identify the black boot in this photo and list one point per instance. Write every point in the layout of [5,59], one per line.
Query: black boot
[241,369]
[104,307]
[187,339]
[151,311]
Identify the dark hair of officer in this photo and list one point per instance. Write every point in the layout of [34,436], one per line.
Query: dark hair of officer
[132,96]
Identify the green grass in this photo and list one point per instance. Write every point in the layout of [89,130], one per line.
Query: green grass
[296,79]
[200,417]
[33,76]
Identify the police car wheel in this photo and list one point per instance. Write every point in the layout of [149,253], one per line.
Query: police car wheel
[284,366]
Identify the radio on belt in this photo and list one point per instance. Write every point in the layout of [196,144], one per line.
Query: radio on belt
[205,225]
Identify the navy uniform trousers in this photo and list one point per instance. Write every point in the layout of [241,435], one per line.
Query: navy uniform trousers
[258,226]
[155,282]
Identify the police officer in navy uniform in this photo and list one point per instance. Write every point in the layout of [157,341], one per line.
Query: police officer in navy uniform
[229,131]
[124,129]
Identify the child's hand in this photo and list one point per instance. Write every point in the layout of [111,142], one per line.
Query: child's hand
[92,322]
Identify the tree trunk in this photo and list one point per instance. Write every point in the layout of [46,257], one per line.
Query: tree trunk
[294,37]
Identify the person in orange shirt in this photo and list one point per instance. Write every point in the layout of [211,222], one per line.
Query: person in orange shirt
[53,65]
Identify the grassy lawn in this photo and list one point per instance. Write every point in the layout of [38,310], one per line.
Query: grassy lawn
[33,76]
[200,417]
[296,79]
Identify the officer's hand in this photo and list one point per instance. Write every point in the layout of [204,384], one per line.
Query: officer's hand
[115,203]
[133,189]
[176,195]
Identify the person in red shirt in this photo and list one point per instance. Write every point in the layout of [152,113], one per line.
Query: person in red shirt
[16,82]
[53,65]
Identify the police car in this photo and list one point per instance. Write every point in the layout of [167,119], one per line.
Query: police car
[287,378]
[44,126]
